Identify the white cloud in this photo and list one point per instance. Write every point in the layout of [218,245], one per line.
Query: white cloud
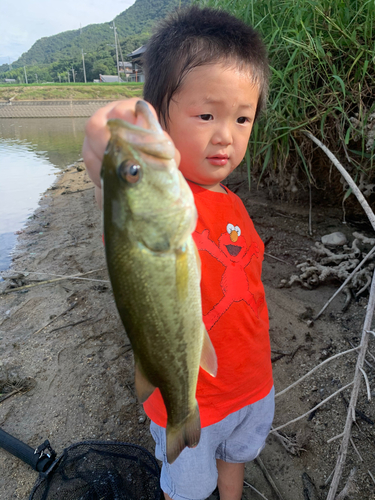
[23,22]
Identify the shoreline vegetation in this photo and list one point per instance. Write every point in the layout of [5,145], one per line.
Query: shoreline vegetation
[72,91]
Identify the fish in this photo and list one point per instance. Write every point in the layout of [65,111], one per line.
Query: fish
[149,216]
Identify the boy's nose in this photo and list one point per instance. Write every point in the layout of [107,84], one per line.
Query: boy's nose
[222,135]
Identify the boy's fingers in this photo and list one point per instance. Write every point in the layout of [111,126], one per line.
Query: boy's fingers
[98,135]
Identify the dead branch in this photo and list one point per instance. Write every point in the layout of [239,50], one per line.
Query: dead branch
[350,486]
[248,485]
[348,179]
[371,252]
[356,449]
[45,282]
[372,477]
[367,325]
[276,258]
[290,444]
[354,396]
[312,409]
[56,317]
[314,370]
[269,478]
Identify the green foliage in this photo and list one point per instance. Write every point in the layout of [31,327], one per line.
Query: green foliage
[52,56]
[322,57]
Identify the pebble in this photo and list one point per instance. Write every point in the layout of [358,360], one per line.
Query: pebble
[334,239]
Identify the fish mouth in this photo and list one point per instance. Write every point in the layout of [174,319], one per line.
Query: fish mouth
[233,250]
[150,141]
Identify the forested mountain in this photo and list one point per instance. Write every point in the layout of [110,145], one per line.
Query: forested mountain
[50,57]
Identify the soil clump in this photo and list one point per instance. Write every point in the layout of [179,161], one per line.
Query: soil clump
[66,366]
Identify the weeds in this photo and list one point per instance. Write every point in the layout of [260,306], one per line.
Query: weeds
[322,58]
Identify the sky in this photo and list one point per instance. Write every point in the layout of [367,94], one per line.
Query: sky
[23,22]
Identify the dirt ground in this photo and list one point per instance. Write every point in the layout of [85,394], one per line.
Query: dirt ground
[66,368]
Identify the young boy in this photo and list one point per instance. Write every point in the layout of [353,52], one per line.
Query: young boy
[207,78]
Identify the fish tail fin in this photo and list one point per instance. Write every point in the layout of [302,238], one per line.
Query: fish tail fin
[185,434]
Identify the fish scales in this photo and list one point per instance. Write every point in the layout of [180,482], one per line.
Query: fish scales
[149,215]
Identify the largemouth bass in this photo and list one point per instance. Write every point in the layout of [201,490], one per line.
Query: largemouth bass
[149,215]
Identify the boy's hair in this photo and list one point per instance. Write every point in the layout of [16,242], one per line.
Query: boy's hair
[195,37]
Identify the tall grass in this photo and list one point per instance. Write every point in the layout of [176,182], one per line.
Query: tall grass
[322,58]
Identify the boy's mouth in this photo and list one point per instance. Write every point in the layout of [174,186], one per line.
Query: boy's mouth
[218,160]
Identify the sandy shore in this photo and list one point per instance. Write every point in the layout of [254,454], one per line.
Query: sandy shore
[66,368]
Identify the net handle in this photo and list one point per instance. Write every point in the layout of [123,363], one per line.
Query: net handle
[24,452]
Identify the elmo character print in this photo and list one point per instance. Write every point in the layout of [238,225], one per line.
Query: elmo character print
[232,251]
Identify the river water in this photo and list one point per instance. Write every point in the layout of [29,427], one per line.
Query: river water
[32,152]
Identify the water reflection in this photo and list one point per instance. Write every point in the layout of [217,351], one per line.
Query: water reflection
[31,152]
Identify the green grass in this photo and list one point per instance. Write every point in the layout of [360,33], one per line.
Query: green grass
[75,91]
[322,58]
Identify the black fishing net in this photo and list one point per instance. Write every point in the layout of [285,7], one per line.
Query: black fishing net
[100,470]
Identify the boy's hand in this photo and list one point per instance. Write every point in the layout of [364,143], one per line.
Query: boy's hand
[97,136]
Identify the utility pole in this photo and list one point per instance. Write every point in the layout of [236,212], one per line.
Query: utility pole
[74,76]
[59,78]
[115,31]
[68,77]
[36,76]
[84,69]
[25,74]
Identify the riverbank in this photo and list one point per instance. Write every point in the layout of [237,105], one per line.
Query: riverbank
[66,367]
[50,109]
[71,91]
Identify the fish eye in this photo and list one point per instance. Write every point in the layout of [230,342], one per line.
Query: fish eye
[130,172]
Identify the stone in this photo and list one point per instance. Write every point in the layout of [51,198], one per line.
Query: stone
[334,239]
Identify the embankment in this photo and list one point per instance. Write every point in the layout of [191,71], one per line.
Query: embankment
[50,109]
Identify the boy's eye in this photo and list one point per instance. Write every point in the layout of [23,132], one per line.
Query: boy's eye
[206,117]
[242,119]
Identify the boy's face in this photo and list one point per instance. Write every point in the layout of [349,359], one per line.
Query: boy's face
[210,123]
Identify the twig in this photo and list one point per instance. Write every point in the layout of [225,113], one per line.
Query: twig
[248,485]
[349,487]
[372,477]
[6,396]
[355,449]
[312,409]
[276,258]
[349,180]
[73,277]
[56,317]
[77,322]
[335,437]
[71,324]
[268,476]
[345,283]
[367,383]
[314,369]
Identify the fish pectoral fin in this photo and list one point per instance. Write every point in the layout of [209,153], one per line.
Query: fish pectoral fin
[143,387]
[208,356]
[184,434]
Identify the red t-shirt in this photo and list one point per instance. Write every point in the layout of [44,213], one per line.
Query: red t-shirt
[234,310]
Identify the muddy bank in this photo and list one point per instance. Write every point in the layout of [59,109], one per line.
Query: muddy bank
[66,367]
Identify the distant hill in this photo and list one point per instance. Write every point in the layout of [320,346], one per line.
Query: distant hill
[136,20]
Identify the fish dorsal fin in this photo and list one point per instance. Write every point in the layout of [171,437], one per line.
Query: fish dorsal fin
[143,387]
[208,356]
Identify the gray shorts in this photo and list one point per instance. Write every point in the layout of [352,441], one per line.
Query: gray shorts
[238,438]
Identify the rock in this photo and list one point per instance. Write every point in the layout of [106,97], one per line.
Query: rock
[334,239]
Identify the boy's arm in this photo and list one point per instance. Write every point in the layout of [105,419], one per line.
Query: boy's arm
[97,137]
